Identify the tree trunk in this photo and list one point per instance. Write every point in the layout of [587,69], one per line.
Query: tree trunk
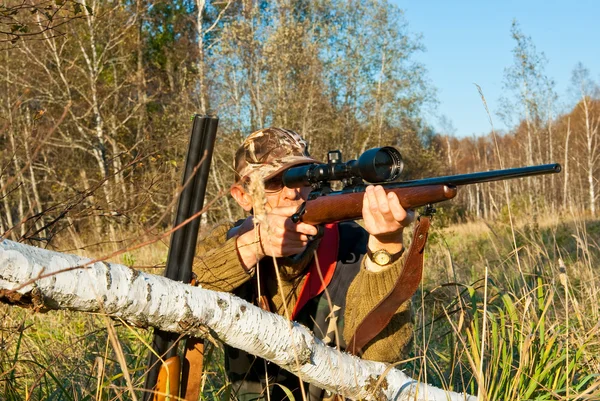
[100,149]
[591,130]
[142,97]
[7,207]
[70,282]
[204,107]
[21,178]
[92,199]
[37,205]
[566,195]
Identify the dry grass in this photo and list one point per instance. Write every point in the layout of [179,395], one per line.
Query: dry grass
[541,336]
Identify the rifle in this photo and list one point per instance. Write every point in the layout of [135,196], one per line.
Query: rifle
[170,376]
[382,166]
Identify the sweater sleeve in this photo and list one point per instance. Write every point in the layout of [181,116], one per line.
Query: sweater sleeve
[217,265]
[365,292]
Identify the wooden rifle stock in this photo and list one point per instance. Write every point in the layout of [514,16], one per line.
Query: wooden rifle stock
[328,209]
[168,381]
[323,207]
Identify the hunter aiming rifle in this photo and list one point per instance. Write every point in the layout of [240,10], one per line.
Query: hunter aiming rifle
[383,166]
[169,375]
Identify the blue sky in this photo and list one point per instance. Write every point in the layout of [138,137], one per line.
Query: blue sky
[469,42]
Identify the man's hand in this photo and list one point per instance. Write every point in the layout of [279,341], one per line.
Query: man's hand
[277,236]
[385,220]
[280,236]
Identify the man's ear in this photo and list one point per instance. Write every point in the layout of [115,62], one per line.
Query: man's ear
[242,197]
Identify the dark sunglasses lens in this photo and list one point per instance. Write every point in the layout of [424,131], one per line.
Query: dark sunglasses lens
[274,184]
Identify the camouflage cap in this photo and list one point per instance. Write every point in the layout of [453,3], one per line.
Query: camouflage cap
[270,151]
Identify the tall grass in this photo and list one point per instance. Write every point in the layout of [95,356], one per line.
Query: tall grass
[483,325]
[540,339]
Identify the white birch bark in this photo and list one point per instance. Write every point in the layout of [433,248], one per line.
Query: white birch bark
[37,206]
[566,195]
[591,132]
[51,280]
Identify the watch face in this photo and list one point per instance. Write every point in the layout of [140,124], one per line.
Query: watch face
[381,257]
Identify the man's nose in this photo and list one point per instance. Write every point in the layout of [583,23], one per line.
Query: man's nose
[291,193]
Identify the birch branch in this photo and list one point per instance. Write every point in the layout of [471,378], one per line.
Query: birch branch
[45,280]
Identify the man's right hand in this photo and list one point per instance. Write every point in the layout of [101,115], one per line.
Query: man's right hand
[278,236]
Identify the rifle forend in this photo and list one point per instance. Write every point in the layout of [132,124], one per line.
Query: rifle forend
[324,206]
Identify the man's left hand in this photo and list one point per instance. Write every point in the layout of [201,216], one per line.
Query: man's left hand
[384,219]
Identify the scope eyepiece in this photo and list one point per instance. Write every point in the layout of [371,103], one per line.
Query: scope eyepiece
[375,165]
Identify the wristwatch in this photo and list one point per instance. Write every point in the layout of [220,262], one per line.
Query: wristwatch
[382,257]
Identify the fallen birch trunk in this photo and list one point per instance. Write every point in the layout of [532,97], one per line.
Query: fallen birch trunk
[60,281]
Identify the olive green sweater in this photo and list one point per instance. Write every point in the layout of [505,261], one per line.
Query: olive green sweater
[217,267]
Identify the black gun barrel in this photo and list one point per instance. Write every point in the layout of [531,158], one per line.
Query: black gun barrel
[483,176]
[200,182]
[191,172]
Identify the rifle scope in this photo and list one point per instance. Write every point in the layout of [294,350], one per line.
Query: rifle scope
[373,166]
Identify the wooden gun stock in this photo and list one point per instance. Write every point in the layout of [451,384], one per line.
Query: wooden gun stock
[167,384]
[329,209]
[193,364]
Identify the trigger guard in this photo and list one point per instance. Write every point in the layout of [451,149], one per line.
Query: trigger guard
[320,233]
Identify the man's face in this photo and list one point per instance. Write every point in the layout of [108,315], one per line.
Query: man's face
[278,195]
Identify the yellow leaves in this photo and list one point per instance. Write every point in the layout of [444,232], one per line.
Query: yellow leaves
[287,44]
[39,114]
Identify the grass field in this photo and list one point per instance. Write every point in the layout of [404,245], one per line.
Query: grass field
[506,312]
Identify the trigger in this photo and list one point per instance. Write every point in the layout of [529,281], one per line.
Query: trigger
[297,217]
[320,233]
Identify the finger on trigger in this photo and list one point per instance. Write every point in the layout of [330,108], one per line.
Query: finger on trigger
[300,227]
[297,237]
[307,229]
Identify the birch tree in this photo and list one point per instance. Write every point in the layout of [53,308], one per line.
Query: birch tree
[531,97]
[90,68]
[46,280]
[587,91]
[531,88]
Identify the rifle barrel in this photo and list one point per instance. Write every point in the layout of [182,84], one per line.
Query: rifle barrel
[483,176]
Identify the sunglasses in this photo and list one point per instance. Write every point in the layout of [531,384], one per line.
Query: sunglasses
[274,184]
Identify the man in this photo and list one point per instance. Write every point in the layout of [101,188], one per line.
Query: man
[268,258]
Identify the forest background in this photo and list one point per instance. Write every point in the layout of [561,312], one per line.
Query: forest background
[95,114]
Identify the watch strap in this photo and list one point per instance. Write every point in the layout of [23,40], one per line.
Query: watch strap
[393,257]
